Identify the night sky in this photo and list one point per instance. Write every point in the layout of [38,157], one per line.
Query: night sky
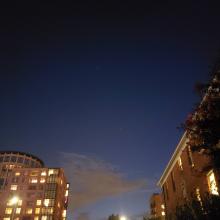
[99,88]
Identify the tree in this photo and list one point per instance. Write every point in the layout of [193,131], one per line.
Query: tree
[203,125]
[206,209]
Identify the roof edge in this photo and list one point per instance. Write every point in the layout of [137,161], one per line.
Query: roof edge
[172,162]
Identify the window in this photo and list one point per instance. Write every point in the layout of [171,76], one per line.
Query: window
[36,218]
[44,217]
[47,211]
[66,193]
[162,206]
[52,172]
[29,211]
[190,157]
[20,202]
[37,211]
[213,189]
[34,173]
[49,202]
[18,210]
[8,210]
[38,202]
[64,213]
[163,213]
[43,173]
[33,180]
[180,163]
[42,180]
[13,159]
[6,218]
[17,174]
[20,159]
[14,187]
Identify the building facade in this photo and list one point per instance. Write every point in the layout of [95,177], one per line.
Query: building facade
[188,175]
[157,208]
[30,191]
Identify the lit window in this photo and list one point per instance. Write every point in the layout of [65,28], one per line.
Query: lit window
[61,182]
[190,157]
[17,174]
[36,218]
[42,180]
[18,210]
[38,202]
[33,180]
[46,202]
[198,194]
[66,193]
[162,206]
[6,218]
[163,213]
[180,163]
[58,205]
[20,202]
[213,189]
[43,173]
[14,187]
[16,218]
[44,217]
[67,185]
[29,211]
[64,213]
[8,210]
[37,211]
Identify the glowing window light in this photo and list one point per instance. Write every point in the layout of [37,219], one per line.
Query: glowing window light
[213,189]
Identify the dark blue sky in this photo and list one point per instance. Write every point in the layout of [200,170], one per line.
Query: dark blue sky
[112,80]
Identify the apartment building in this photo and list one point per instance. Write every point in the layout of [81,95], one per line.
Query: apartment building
[30,191]
[188,175]
[157,208]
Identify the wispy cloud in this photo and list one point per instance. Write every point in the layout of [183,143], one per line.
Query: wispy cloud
[92,179]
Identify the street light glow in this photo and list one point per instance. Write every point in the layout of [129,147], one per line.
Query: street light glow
[14,200]
[123,218]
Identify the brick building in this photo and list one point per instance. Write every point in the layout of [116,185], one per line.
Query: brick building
[30,191]
[157,209]
[188,175]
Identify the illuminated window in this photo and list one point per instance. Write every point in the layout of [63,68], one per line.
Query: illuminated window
[8,210]
[213,189]
[18,210]
[67,185]
[163,213]
[61,182]
[180,163]
[190,157]
[6,218]
[33,180]
[14,187]
[36,218]
[16,218]
[19,202]
[43,173]
[66,193]
[198,194]
[44,217]
[42,180]
[64,213]
[162,206]
[46,202]
[52,172]
[38,202]
[29,211]
[37,211]
[17,174]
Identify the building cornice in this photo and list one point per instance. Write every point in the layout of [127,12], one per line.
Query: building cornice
[180,147]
